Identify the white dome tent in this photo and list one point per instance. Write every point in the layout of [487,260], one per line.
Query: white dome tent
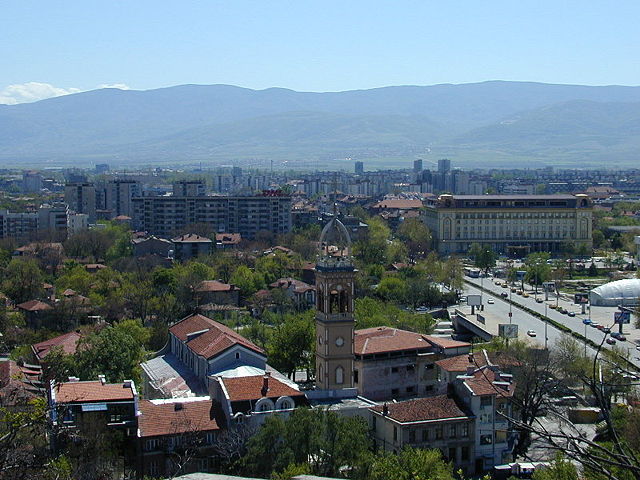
[620,292]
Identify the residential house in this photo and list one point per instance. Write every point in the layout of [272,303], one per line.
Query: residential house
[191,246]
[174,432]
[391,363]
[35,312]
[301,294]
[67,343]
[449,369]
[19,383]
[228,240]
[438,422]
[152,246]
[217,292]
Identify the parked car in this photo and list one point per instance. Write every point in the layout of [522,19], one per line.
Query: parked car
[539,300]
[611,341]
[619,336]
[606,330]
[525,294]
[531,333]
[572,314]
[490,301]
[552,306]
[587,321]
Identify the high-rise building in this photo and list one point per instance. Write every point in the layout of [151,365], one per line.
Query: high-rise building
[169,215]
[335,286]
[444,165]
[119,195]
[359,168]
[81,198]
[417,165]
[102,168]
[189,188]
[31,181]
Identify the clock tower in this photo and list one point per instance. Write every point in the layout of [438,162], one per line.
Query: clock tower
[335,322]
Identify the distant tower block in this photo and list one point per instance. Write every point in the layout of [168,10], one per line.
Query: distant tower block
[417,165]
[335,275]
[359,168]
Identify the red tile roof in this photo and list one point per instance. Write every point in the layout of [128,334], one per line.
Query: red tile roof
[439,407]
[161,419]
[67,342]
[485,381]
[287,282]
[215,339]
[92,391]
[459,363]
[34,306]
[215,286]
[398,203]
[228,238]
[15,383]
[249,388]
[385,339]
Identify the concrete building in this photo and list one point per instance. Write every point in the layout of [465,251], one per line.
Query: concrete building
[81,198]
[119,195]
[189,188]
[31,181]
[394,364]
[359,168]
[247,216]
[191,246]
[511,224]
[438,422]
[77,222]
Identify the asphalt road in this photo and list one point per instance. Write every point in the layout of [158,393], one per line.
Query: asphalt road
[528,322]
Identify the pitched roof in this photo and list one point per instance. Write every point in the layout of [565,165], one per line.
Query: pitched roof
[67,342]
[158,418]
[250,388]
[34,306]
[480,358]
[215,286]
[385,339]
[92,391]
[287,282]
[398,203]
[191,238]
[486,381]
[439,407]
[215,337]
[228,238]
[17,383]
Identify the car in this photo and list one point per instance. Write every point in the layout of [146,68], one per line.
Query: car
[518,292]
[504,285]
[463,298]
[552,306]
[422,309]
[620,337]
[514,290]
[615,334]
[572,314]
[525,295]
[490,301]
[504,294]
[586,321]
[539,300]
[606,330]
[531,333]
[611,341]
[594,325]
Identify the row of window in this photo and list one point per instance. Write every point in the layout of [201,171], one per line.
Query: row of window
[440,432]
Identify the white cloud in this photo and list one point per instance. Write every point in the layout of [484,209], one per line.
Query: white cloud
[34,91]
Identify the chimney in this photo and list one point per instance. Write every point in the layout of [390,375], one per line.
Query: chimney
[470,370]
[102,379]
[385,409]
[177,406]
[265,384]
[470,357]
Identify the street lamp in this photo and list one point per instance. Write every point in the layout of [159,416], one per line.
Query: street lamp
[546,338]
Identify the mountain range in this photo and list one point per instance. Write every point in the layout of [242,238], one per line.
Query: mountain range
[481,124]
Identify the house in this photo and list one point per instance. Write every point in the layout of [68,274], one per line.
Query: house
[191,246]
[228,240]
[448,369]
[438,422]
[151,246]
[302,294]
[67,343]
[174,431]
[391,363]
[94,267]
[19,383]
[219,293]
[198,347]
[247,395]
[35,312]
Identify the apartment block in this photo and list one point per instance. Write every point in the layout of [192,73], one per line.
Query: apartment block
[509,224]
[164,216]
[81,198]
[119,195]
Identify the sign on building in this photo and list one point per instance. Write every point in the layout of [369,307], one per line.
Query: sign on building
[622,317]
[474,300]
[579,298]
[508,330]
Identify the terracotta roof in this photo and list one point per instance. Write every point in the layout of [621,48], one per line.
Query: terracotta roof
[122,218]
[34,306]
[191,238]
[215,286]
[16,384]
[67,342]
[439,407]
[385,339]
[298,285]
[228,238]
[215,338]
[459,363]
[92,391]
[69,292]
[485,381]
[249,388]
[94,266]
[158,419]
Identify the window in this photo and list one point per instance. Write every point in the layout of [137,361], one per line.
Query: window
[339,375]
[428,388]
[452,431]
[464,454]
[411,389]
[465,430]
[486,439]
[452,454]
[425,435]
[395,391]
[237,355]
[438,433]
[394,369]
[485,401]
[152,444]
[210,438]
[355,376]
[395,433]
[411,368]
[412,436]
[430,366]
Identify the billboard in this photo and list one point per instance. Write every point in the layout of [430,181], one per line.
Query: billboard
[481,319]
[579,298]
[474,300]
[520,274]
[622,317]
[508,330]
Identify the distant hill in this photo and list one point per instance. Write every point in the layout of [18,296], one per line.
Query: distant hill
[480,122]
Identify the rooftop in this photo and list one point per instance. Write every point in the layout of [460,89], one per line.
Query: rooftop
[191,238]
[215,286]
[34,306]
[93,391]
[439,407]
[171,377]
[459,363]
[173,417]
[66,342]
[373,340]
[486,381]
[250,388]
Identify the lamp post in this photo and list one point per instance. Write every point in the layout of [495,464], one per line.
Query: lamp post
[546,338]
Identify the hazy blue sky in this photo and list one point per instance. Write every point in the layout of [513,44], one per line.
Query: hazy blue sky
[316,46]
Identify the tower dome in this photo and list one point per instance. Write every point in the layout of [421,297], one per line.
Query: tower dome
[335,245]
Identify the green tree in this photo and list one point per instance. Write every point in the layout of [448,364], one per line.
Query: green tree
[558,469]
[292,343]
[248,281]
[409,464]
[392,289]
[23,280]
[416,236]
[537,268]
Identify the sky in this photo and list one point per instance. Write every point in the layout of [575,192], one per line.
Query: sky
[54,48]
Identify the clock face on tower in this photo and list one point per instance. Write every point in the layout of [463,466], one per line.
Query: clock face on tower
[339,341]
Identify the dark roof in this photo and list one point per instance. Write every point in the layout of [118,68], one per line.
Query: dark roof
[480,358]
[191,238]
[164,418]
[212,337]
[34,306]
[439,407]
